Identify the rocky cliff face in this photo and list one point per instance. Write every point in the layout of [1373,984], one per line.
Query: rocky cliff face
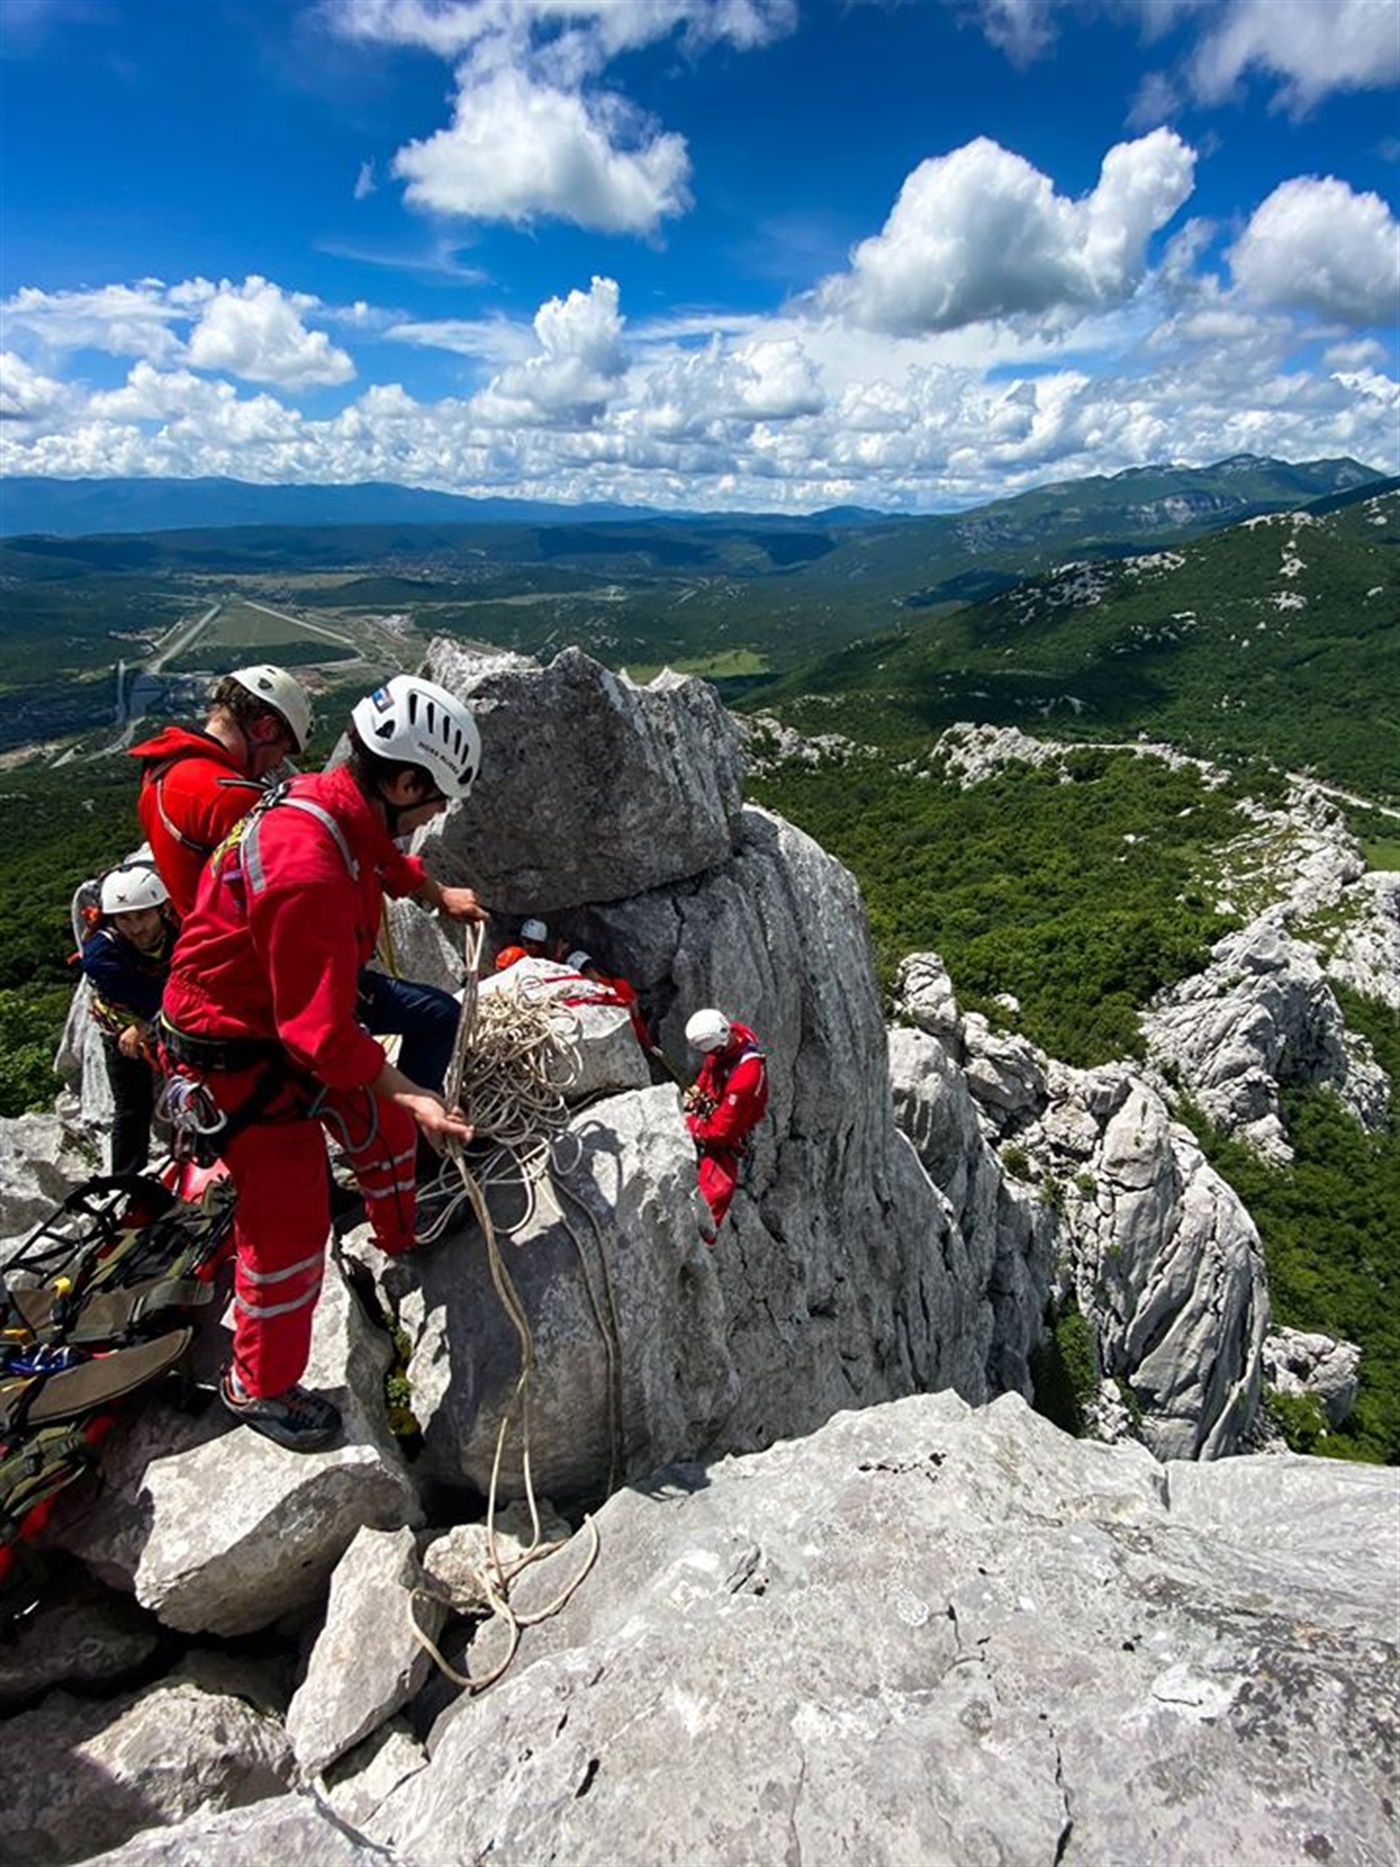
[1152,1247]
[917,1200]
[934,1633]
[837,1278]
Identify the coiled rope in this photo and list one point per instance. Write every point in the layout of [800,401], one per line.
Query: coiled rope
[515,1056]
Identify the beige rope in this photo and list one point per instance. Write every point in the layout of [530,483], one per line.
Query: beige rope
[515,1055]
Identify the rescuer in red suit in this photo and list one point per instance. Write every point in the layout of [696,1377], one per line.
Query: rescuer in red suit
[196,785]
[727,1102]
[259,1022]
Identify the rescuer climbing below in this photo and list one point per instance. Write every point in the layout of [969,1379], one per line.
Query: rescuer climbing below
[260,1031]
[726,1103]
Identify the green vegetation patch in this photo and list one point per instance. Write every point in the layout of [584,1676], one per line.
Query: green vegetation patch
[1330,1225]
[1065,1370]
[1073,887]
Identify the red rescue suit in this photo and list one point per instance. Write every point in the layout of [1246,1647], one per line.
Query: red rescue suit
[193,791]
[285,916]
[731,1097]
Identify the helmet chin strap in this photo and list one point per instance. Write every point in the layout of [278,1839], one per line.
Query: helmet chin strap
[393,812]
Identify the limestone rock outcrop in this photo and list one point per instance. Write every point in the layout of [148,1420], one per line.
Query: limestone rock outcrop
[642,783]
[216,1529]
[1299,1361]
[830,1280]
[1259,1019]
[82,1776]
[365,1663]
[1062,1649]
[1154,1249]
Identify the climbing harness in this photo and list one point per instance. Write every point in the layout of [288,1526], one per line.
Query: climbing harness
[200,1130]
[514,1058]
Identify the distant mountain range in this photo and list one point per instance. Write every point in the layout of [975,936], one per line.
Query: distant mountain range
[84,508]
[1276,637]
[1134,503]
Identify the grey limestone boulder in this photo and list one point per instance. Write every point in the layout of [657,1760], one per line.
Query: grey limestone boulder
[997,1253]
[1298,1362]
[82,1775]
[80,1634]
[1005,1073]
[591,788]
[1260,1018]
[956,1635]
[214,1528]
[1166,1263]
[924,998]
[365,1663]
[283,1831]
[628,1162]
[1366,954]
[364,1777]
[42,1158]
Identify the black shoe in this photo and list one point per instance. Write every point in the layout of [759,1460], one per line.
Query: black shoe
[297,1419]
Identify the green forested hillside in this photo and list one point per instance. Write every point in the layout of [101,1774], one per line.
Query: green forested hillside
[1279,638]
[733,596]
[1079,898]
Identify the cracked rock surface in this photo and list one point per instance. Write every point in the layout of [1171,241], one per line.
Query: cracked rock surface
[934,1634]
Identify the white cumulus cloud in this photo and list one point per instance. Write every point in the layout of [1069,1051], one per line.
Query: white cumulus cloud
[519,149]
[255,330]
[1313,46]
[1310,47]
[25,394]
[454,27]
[121,320]
[795,412]
[576,369]
[533,134]
[982,234]
[1316,245]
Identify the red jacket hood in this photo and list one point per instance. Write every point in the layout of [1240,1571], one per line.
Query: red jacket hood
[172,739]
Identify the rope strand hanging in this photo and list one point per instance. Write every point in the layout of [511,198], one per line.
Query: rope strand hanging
[515,1056]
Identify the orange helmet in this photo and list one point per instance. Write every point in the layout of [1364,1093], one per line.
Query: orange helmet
[508,955]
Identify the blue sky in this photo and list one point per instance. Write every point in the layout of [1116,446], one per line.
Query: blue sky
[704,254]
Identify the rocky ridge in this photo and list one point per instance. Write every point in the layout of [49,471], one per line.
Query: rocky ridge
[909,1217]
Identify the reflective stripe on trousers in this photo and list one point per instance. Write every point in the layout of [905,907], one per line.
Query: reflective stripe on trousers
[282,1216]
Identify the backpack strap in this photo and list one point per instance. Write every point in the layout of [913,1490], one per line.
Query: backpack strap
[249,843]
[88,1386]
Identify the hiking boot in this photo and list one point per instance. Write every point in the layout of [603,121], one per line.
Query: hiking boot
[297,1419]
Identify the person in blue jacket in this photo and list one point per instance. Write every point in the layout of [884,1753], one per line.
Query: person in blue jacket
[126,959]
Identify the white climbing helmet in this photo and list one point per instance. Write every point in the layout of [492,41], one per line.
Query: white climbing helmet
[707,1030]
[131,888]
[416,722]
[533,930]
[283,693]
[578,960]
